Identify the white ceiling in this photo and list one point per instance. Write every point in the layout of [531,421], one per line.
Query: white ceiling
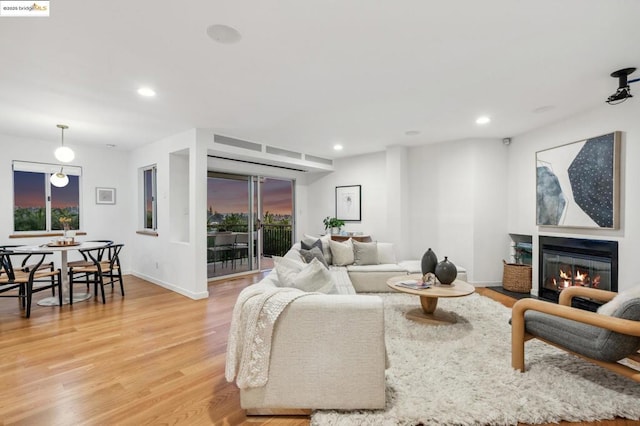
[307,74]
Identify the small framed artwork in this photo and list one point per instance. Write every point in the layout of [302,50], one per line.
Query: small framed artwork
[578,184]
[105,195]
[348,203]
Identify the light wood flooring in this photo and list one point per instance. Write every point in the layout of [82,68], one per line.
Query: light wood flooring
[153,357]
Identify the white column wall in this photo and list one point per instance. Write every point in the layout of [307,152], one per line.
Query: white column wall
[458,205]
[177,264]
[398,199]
[101,167]
[522,181]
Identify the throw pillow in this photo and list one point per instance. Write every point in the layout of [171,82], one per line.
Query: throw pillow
[326,249]
[365,253]
[293,254]
[287,270]
[612,306]
[342,252]
[386,253]
[314,253]
[314,277]
[305,246]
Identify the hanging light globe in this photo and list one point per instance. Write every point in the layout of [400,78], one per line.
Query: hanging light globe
[59,179]
[64,154]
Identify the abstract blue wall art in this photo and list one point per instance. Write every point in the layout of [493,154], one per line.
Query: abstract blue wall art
[578,184]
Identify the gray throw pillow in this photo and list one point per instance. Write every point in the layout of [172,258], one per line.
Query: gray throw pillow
[325,239]
[307,246]
[314,253]
[365,253]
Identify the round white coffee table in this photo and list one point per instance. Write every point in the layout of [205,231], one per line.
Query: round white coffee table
[429,298]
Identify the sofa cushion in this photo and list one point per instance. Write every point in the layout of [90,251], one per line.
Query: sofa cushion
[612,306]
[310,277]
[341,281]
[326,249]
[386,253]
[287,269]
[365,253]
[314,277]
[387,267]
[314,253]
[341,252]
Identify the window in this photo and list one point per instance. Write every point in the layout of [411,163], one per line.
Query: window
[149,198]
[38,205]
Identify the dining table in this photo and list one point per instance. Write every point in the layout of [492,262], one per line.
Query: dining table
[63,249]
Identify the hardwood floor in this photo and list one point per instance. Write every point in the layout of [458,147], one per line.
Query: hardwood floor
[152,357]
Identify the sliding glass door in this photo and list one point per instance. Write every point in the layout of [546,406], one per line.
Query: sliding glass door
[250,219]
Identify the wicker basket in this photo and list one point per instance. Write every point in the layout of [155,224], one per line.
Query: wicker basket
[516,277]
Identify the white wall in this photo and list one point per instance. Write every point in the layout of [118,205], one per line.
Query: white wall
[173,259]
[522,177]
[369,171]
[101,167]
[447,196]
[458,205]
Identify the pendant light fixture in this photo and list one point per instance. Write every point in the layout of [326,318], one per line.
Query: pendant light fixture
[64,153]
[59,179]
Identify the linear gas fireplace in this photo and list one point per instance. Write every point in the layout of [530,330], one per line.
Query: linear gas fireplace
[566,262]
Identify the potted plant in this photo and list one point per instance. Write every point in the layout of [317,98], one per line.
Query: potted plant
[333,223]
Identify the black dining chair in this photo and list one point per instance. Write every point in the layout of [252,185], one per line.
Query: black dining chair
[23,281]
[102,267]
[26,263]
[85,261]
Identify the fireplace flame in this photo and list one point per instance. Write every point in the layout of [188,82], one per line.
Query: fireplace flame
[581,278]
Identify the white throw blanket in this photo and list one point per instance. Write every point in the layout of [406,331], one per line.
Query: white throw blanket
[249,344]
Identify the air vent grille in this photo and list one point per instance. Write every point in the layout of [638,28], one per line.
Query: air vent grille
[238,143]
[283,152]
[319,160]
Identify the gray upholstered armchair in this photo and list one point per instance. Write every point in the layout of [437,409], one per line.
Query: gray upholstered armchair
[598,338]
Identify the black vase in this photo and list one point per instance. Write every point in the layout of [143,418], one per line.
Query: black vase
[446,272]
[429,262]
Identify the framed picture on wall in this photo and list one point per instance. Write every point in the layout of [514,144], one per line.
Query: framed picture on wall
[348,203]
[578,184]
[105,195]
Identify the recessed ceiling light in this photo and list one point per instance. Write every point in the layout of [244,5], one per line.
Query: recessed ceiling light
[223,34]
[337,147]
[412,132]
[146,91]
[483,120]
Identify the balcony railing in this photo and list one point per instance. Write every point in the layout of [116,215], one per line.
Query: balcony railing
[276,239]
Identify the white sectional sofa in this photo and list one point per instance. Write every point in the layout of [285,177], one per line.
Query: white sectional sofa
[327,346]
[372,277]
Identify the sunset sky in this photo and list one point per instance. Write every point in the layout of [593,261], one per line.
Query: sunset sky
[231,196]
[29,191]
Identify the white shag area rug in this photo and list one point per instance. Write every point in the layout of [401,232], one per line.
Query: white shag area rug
[461,374]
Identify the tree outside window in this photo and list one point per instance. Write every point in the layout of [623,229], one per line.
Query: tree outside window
[38,205]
